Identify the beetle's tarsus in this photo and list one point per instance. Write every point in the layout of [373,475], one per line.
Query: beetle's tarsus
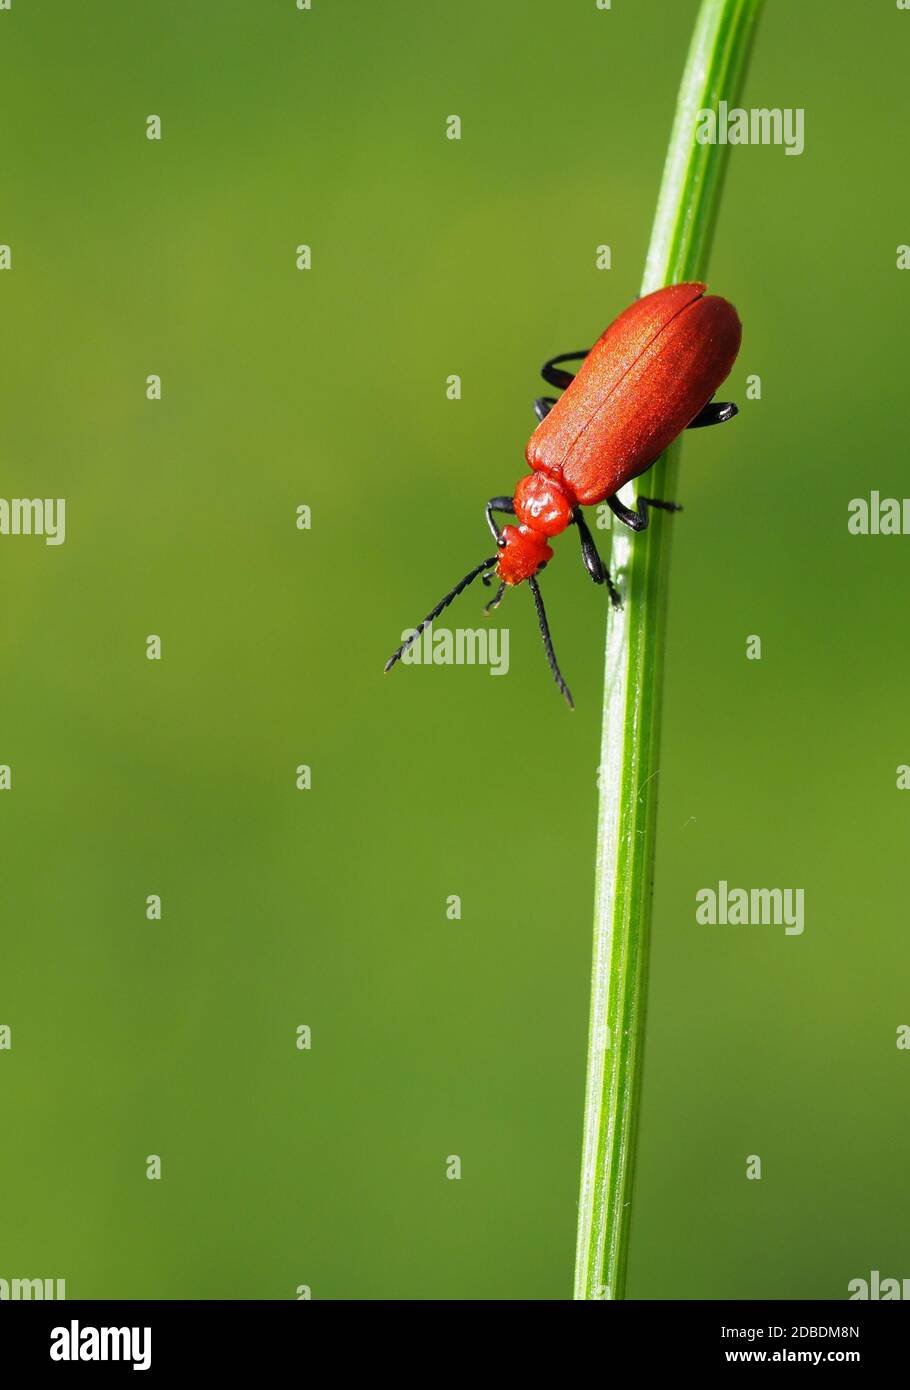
[714,413]
[495,601]
[638,520]
[663,506]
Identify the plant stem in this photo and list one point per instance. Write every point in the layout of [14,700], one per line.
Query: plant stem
[680,242]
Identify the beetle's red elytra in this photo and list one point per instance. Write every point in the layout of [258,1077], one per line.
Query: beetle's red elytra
[649,376]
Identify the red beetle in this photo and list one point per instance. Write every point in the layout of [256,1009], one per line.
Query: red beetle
[649,376]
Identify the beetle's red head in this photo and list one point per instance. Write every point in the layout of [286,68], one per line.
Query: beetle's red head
[522,553]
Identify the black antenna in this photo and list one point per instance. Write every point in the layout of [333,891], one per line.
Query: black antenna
[548,642]
[443,603]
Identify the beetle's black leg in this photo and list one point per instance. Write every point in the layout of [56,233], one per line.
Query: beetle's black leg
[548,643]
[593,563]
[637,521]
[496,600]
[498,504]
[543,405]
[553,376]
[714,413]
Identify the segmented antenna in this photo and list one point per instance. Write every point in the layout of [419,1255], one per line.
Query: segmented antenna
[443,603]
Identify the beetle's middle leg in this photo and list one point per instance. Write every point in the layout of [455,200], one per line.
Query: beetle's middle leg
[498,504]
[638,520]
[591,557]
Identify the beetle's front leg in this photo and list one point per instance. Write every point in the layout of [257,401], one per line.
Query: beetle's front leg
[638,520]
[593,563]
[498,504]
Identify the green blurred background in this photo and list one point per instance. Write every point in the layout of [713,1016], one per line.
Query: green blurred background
[327,907]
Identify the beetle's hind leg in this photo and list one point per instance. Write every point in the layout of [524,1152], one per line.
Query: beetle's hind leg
[638,520]
[551,373]
[498,504]
[592,561]
[714,413]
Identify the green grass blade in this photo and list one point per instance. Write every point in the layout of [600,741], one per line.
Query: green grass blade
[680,243]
